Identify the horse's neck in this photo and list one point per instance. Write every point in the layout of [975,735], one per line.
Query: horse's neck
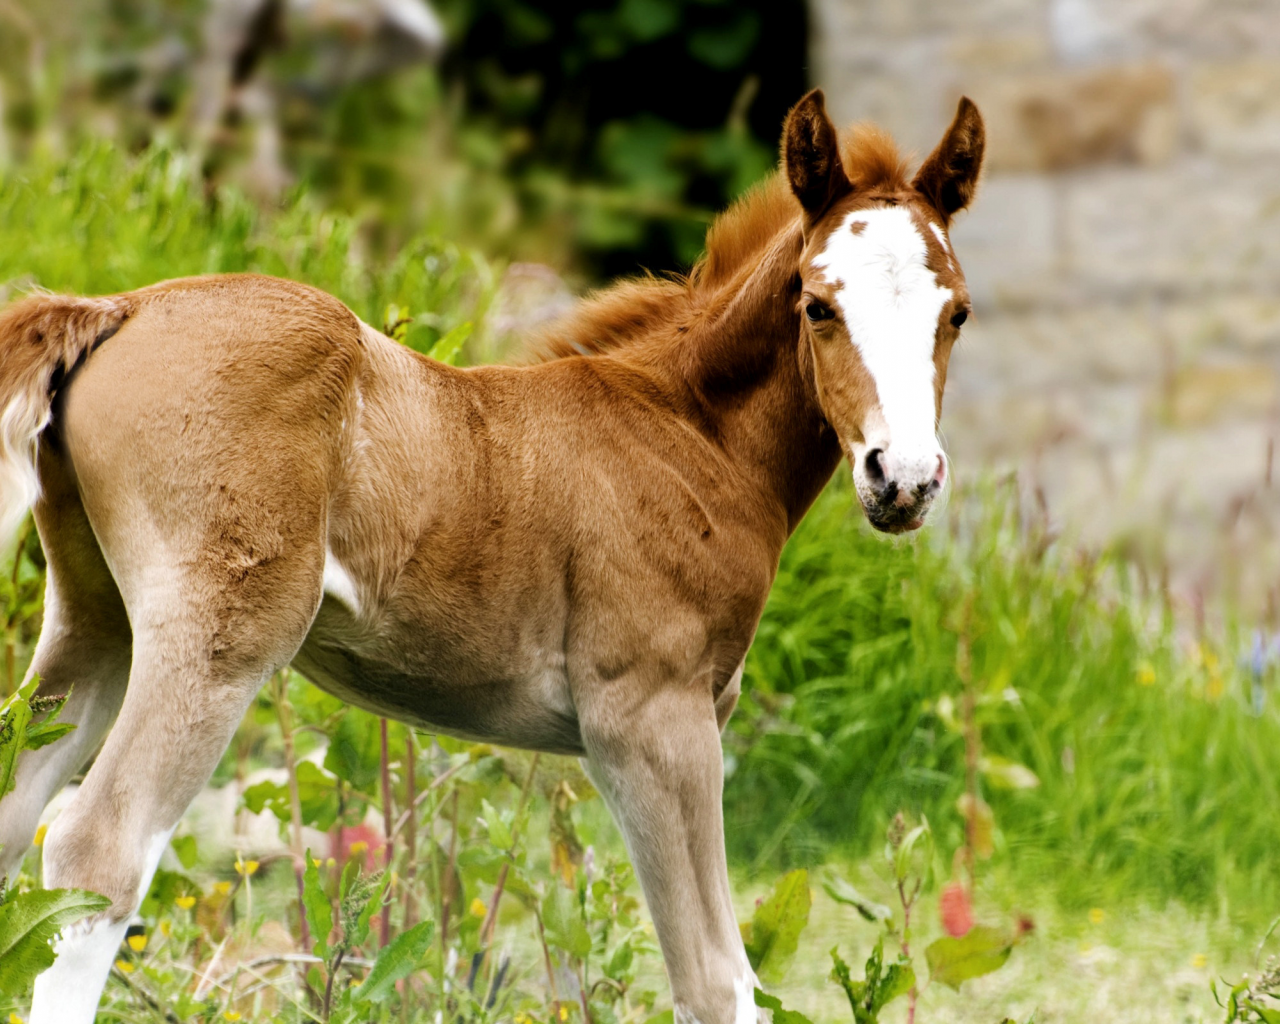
[752,380]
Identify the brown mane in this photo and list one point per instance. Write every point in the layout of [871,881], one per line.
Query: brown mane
[613,317]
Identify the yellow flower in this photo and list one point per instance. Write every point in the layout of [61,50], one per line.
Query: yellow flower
[1097,915]
[185,902]
[1199,961]
[316,862]
[165,929]
[358,848]
[15,1019]
[125,966]
[1215,688]
[246,867]
[39,839]
[231,1015]
[478,909]
[521,1018]
[330,863]
[222,888]
[137,943]
[564,1013]
[1146,674]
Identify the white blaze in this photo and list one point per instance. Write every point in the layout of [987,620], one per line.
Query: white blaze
[890,301]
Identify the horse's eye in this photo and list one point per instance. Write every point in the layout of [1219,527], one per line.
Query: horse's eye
[959,317]
[816,311]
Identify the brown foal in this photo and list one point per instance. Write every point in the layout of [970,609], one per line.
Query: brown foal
[233,474]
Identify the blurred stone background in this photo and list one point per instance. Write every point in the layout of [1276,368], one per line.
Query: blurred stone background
[1123,255]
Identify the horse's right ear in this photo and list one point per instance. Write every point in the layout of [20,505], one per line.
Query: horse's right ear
[811,156]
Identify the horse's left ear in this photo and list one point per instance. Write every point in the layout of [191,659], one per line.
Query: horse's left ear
[950,175]
[811,156]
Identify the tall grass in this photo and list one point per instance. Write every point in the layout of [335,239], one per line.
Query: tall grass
[101,222]
[1157,772]
[1157,768]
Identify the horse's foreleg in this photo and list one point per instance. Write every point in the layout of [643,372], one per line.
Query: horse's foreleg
[660,769]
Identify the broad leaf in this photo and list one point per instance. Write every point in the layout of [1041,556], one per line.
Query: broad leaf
[319,908]
[983,950]
[355,749]
[27,924]
[774,932]
[15,715]
[396,960]
[562,921]
[780,1016]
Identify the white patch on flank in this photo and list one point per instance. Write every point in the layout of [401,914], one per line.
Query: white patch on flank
[890,301]
[68,992]
[339,584]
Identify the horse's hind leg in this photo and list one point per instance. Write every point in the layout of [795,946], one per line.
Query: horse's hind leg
[83,649]
[199,658]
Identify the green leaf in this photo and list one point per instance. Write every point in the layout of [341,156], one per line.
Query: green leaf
[396,960]
[184,847]
[562,921]
[27,924]
[359,930]
[842,892]
[317,792]
[983,950]
[499,832]
[921,837]
[780,1016]
[898,980]
[319,908]
[665,1017]
[1005,774]
[450,344]
[14,718]
[355,749]
[774,932]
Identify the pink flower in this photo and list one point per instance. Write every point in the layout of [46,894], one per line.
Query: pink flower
[956,911]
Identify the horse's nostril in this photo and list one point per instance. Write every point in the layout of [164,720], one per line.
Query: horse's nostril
[875,471]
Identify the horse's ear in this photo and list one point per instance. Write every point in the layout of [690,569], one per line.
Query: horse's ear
[949,177]
[811,155]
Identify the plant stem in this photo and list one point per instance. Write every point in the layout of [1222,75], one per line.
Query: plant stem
[411,828]
[285,713]
[385,931]
[328,985]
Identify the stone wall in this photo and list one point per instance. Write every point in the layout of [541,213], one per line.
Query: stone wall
[1123,254]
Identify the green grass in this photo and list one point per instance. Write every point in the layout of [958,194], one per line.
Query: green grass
[1156,777]
[1156,794]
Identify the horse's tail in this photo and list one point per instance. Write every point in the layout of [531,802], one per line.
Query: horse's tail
[42,338]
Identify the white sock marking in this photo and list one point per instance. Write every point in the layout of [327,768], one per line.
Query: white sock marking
[68,992]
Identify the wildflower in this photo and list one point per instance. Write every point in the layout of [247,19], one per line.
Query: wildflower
[523,1018]
[330,863]
[165,928]
[137,943]
[15,1019]
[185,902]
[222,888]
[40,834]
[478,909]
[358,847]
[564,1013]
[1097,915]
[246,867]
[1199,961]
[1146,674]
[231,1015]
[316,862]
[124,966]
[955,909]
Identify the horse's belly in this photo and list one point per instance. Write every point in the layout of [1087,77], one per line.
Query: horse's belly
[527,708]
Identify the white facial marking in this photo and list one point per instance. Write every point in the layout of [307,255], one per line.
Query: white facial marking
[890,301]
[942,239]
[339,584]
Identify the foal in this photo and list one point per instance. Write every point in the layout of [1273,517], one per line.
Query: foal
[233,474]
